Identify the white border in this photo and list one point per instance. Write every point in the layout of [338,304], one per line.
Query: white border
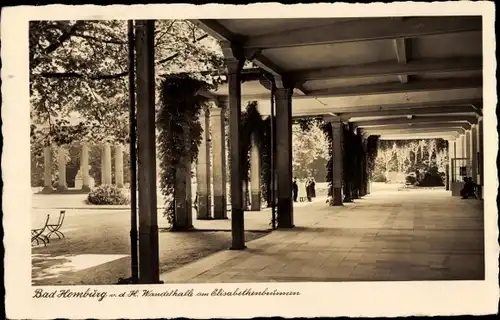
[317,299]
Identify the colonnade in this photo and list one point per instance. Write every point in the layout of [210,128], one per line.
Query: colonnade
[106,171]
[467,148]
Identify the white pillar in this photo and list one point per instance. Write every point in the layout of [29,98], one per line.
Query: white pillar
[84,167]
[255,175]
[474,153]
[47,170]
[106,164]
[119,166]
[468,151]
[463,153]
[204,204]
[62,170]
[451,156]
[219,161]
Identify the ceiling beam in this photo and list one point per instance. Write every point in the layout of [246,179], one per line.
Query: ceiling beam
[410,105]
[217,30]
[401,55]
[389,68]
[445,110]
[421,136]
[365,30]
[430,85]
[278,73]
[419,119]
[433,125]
[412,131]
[221,33]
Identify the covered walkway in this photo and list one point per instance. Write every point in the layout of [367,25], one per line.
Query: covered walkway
[389,235]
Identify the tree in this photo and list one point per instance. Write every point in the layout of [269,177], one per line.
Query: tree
[78,71]
[308,146]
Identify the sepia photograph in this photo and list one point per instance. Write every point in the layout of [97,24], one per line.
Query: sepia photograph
[253,151]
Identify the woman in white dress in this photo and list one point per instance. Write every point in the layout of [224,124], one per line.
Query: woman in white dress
[302,190]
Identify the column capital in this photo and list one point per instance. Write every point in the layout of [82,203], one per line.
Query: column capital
[332,119]
[283,93]
[221,103]
[234,57]
[284,83]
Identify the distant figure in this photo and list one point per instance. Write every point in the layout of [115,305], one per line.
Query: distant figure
[308,189]
[295,189]
[302,191]
[313,188]
[469,189]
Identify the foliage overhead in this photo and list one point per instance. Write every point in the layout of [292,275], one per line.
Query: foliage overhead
[78,70]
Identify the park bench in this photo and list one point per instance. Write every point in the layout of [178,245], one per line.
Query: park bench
[54,228]
[37,234]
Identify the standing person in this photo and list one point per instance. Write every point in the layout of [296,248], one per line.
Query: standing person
[302,190]
[308,189]
[295,189]
[313,188]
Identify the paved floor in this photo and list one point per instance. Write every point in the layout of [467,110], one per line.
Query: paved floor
[392,235]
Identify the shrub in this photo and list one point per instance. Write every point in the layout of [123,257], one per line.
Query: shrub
[107,194]
[431,180]
[379,177]
[411,179]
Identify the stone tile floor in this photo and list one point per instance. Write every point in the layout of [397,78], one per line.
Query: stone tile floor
[387,236]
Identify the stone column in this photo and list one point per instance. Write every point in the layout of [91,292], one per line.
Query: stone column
[47,170]
[204,205]
[284,156]
[461,147]
[219,161]
[337,131]
[62,170]
[149,271]
[480,134]
[119,166]
[84,167]
[474,153]
[234,62]
[451,155]
[182,191]
[255,175]
[106,163]
[362,191]
[468,150]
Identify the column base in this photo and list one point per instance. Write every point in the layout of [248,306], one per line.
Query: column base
[285,213]
[220,208]
[255,206]
[355,195]
[119,185]
[203,208]
[337,197]
[182,217]
[47,190]
[85,189]
[62,188]
[237,229]
[238,248]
